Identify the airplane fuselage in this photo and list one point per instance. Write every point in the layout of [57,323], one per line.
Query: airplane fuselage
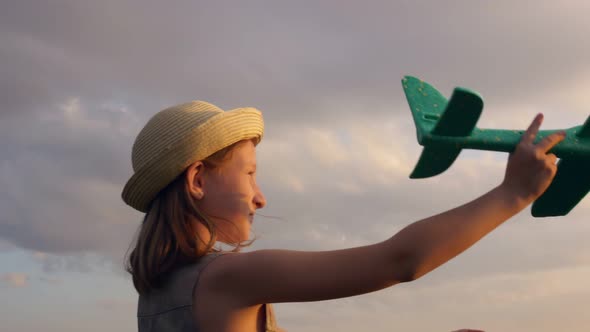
[504,140]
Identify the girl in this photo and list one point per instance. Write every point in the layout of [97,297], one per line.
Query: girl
[195,179]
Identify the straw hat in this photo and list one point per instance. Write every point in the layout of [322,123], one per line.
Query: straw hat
[176,137]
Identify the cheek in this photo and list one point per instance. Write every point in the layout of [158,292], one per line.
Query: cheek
[228,195]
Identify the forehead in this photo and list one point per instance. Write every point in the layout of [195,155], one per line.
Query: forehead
[244,154]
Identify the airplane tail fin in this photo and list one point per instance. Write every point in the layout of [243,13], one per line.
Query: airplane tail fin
[434,115]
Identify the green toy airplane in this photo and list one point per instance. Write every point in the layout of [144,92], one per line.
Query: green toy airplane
[445,127]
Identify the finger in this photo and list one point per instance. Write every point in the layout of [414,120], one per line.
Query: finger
[531,132]
[551,158]
[550,141]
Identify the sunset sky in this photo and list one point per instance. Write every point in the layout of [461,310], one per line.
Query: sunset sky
[79,79]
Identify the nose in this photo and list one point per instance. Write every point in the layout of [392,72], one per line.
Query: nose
[259,199]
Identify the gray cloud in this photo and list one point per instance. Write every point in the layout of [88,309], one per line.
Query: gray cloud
[287,59]
[61,179]
[15,279]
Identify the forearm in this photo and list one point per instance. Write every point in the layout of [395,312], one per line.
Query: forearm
[426,244]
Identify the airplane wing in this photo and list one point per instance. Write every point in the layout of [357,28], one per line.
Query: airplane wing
[570,185]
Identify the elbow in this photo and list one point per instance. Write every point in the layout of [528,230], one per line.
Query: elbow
[405,268]
[406,276]
[413,274]
[408,262]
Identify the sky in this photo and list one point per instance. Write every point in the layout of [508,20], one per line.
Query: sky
[79,79]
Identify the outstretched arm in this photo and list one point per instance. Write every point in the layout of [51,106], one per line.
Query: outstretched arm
[271,276]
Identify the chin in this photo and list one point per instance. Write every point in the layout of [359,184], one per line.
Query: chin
[245,237]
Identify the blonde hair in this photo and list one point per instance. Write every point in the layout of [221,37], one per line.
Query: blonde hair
[168,238]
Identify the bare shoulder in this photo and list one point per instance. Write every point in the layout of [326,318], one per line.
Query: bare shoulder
[274,276]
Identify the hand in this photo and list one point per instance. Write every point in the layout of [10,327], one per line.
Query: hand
[530,168]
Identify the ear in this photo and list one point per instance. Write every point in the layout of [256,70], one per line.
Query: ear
[196,179]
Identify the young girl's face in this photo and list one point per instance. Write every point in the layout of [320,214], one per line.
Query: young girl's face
[230,194]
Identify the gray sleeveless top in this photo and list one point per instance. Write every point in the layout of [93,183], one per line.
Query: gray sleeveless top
[169,308]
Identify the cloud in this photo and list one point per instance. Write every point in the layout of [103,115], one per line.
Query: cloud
[116,304]
[325,147]
[62,176]
[51,280]
[291,70]
[79,262]
[15,279]
[508,288]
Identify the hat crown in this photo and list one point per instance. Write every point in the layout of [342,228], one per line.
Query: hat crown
[167,127]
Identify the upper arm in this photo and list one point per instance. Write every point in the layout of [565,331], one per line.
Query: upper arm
[273,276]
